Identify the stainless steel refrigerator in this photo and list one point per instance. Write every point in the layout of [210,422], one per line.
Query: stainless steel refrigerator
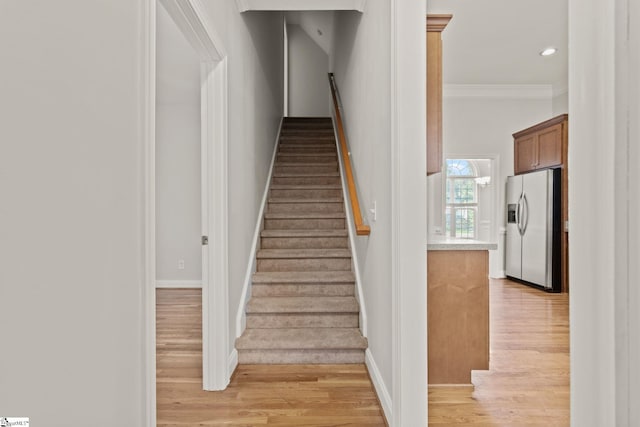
[533,229]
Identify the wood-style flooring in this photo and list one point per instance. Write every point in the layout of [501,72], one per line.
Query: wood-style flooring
[528,380]
[273,395]
[527,384]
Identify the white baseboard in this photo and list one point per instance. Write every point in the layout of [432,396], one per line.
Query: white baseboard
[501,275]
[232,362]
[179,284]
[381,388]
[352,234]
[251,265]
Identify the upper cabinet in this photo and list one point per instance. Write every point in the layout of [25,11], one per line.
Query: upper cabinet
[541,146]
[435,25]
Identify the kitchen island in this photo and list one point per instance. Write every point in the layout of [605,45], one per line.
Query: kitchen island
[458,309]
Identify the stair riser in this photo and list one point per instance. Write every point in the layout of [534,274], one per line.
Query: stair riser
[294,158]
[305,264]
[269,321]
[304,242]
[306,290]
[307,139]
[302,122]
[305,170]
[306,148]
[308,127]
[305,207]
[305,124]
[303,193]
[306,180]
[300,356]
[319,131]
[304,224]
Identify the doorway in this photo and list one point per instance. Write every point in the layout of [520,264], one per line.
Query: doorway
[208,213]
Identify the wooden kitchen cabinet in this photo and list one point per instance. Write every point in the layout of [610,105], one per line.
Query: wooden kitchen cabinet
[544,146]
[540,146]
[435,25]
[458,315]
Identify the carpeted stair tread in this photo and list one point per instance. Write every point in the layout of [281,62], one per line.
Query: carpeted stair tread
[304,215]
[303,307]
[306,187]
[315,134]
[305,175]
[307,154]
[302,338]
[302,253]
[324,144]
[305,233]
[293,304]
[306,165]
[299,200]
[303,277]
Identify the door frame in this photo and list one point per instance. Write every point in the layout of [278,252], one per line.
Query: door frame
[192,19]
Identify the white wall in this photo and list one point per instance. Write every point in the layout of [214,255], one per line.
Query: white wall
[603,204]
[71,213]
[364,90]
[318,24]
[254,44]
[560,104]
[308,83]
[478,127]
[178,209]
[380,75]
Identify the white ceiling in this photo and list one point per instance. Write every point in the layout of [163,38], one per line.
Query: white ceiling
[497,42]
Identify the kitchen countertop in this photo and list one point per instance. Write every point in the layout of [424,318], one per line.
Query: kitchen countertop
[448,244]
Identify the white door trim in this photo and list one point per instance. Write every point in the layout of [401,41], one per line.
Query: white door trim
[408,214]
[215,289]
[191,18]
[193,21]
[148,131]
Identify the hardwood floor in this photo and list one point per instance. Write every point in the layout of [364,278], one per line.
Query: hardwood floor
[528,380]
[274,395]
[527,385]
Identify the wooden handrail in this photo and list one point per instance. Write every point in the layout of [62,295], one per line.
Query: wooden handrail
[361,228]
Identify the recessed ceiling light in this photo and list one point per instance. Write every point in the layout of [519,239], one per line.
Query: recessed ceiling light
[548,51]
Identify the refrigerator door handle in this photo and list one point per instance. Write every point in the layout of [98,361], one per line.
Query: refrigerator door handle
[526,213]
[519,215]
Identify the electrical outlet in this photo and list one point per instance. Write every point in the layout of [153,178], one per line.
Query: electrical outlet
[374,211]
[180,264]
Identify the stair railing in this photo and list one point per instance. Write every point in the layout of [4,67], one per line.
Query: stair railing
[361,228]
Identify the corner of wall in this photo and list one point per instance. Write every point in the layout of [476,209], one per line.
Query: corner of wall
[251,264]
[378,383]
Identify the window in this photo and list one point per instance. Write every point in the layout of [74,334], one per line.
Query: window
[461,198]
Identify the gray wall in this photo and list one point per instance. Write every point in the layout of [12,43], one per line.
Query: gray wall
[561,104]
[308,68]
[71,223]
[365,92]
[254,44]
[178,206]
[604,189]
[71,168]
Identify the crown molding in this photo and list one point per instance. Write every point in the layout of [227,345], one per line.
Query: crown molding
[498,91]
[192,19]
[294,5]
[438,22]
[560,88]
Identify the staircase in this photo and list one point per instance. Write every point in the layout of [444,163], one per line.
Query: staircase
[303,307]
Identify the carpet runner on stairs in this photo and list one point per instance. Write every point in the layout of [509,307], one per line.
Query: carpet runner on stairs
[303,307]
